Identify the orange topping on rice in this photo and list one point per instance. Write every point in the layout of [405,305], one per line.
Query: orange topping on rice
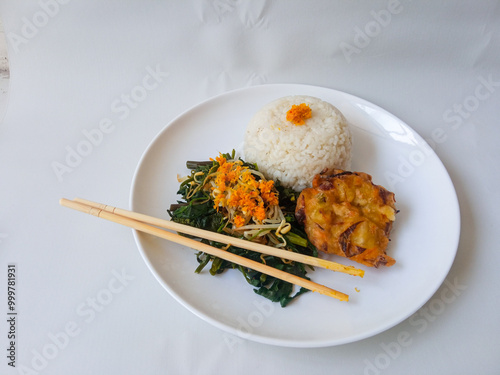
[298,114]
[236,191]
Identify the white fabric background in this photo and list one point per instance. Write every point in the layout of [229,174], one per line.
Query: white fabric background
[71,62]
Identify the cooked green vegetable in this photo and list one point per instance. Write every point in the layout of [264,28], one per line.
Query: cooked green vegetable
[232,197]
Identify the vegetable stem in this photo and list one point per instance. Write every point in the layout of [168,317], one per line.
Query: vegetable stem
[296,239]
[190,164]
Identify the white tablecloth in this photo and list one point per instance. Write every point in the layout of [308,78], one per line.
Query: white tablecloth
[87,303]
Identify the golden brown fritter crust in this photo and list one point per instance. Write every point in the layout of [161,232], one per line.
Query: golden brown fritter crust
[345,214]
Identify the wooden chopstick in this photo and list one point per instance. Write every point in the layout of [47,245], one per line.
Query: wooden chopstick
[146,228]
[238,242]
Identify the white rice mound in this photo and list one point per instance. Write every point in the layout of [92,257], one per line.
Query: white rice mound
[294,154]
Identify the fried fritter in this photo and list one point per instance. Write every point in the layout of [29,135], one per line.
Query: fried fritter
[345,214]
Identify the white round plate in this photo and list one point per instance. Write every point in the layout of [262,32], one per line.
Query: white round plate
[424,239]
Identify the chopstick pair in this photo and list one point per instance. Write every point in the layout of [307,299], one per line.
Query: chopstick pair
[156,227]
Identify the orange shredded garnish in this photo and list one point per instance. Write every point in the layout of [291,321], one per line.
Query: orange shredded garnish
[298,114]
[239,221]
[220,159]
[236,191]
